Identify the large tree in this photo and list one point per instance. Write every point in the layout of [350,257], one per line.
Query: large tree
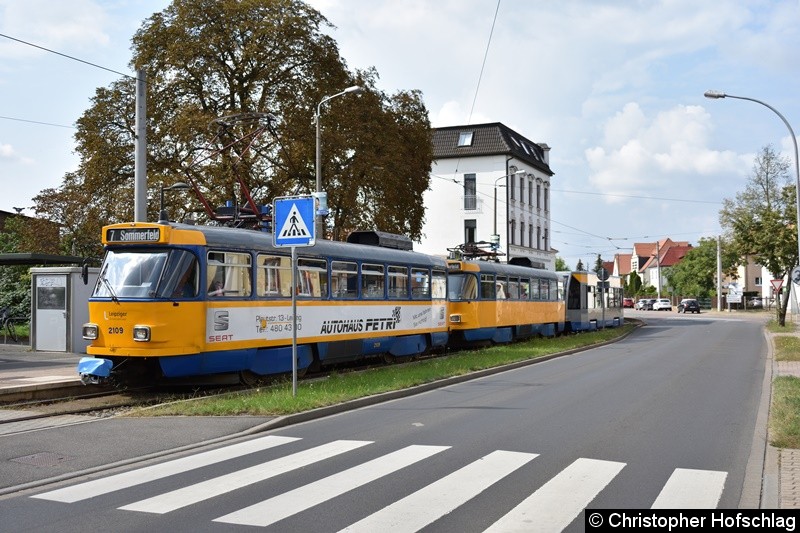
[761,221]
[222,71]
[695,275]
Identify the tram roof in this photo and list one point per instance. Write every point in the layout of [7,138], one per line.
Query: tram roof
[227,237]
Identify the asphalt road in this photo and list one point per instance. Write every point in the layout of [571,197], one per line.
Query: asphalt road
[665,417]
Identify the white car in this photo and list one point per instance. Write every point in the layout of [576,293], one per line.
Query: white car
[662,304]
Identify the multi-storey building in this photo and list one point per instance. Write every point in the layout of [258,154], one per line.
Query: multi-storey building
[489,186]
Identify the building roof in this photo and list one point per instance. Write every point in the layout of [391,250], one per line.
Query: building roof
[669,257]
[623,263]
[489,139]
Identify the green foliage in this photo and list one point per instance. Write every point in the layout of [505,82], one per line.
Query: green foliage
[561,265]
[579,266]
[633,284]
[14,280]
[696,274]
[208,60]
[761,221]
[784,421]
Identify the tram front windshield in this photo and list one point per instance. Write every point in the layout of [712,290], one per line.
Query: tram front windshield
[462,287]
[143,274]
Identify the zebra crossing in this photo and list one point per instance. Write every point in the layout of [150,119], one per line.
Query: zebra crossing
[550,507]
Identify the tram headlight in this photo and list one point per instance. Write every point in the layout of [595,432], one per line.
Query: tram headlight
[89,331]
[141,333]
[455,319]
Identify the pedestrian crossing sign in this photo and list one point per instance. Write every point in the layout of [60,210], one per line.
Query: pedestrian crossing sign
[293,221]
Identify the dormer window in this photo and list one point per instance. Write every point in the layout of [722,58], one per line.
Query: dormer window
[465,138]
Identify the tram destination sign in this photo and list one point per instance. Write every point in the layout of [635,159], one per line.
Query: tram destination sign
[133,235]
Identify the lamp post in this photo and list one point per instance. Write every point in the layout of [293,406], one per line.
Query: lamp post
[495,240]
[179,186]
[318,165]
[719,94]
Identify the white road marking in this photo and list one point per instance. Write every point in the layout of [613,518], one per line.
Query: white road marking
[691,489]
[90,489]
[560,500]
[292,502]
[421,508]
[164,503]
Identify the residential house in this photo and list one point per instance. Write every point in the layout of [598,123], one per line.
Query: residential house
[651,261]
[490,187]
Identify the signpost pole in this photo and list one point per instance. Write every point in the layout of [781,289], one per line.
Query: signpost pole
[294,321]
[293,226]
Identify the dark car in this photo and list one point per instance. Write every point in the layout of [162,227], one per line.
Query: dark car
[689,305]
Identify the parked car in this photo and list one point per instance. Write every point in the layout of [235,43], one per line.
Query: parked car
[755,303]
[645,304]
[689,305]
[662,304]
[627,302]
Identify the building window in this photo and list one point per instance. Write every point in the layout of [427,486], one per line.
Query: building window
[538,196]
[465,138]
[513,184]
[522,189]
[758,282]
[470,229]
[530,235]
[470,192]
[530,193]
[544,243]
[546,200]
[522,234]
[512,232]
[538,237]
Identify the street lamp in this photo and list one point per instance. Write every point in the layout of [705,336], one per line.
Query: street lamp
[495,240]
[318,165]
[179,186]
[719,94]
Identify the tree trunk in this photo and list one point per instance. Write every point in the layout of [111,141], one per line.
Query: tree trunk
[783,306]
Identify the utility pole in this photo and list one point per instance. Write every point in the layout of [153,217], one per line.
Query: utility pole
[719,273]
[658,268]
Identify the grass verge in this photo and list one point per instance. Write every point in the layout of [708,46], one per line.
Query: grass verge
[341,387]
[787,348]
[784,418]
[774,327]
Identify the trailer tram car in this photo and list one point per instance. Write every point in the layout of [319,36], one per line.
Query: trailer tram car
[592,303]
[183,301]
[499,303]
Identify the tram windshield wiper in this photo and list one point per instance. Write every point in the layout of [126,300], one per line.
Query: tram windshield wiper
[108,285]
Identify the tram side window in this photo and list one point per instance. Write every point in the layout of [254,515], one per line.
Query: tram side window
[513,288]
[398,282]
[524,288]
[536,289]
[344,279]
[313,277]
[420,284]
[487,287]
[439,285]
[228,274]
[502,288]
[372,281]
[273,275]
[547,290]
[180,276]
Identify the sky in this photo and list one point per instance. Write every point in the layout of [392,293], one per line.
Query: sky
[614,87]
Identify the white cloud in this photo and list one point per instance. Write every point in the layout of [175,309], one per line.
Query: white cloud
[665,153]
[55,24]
